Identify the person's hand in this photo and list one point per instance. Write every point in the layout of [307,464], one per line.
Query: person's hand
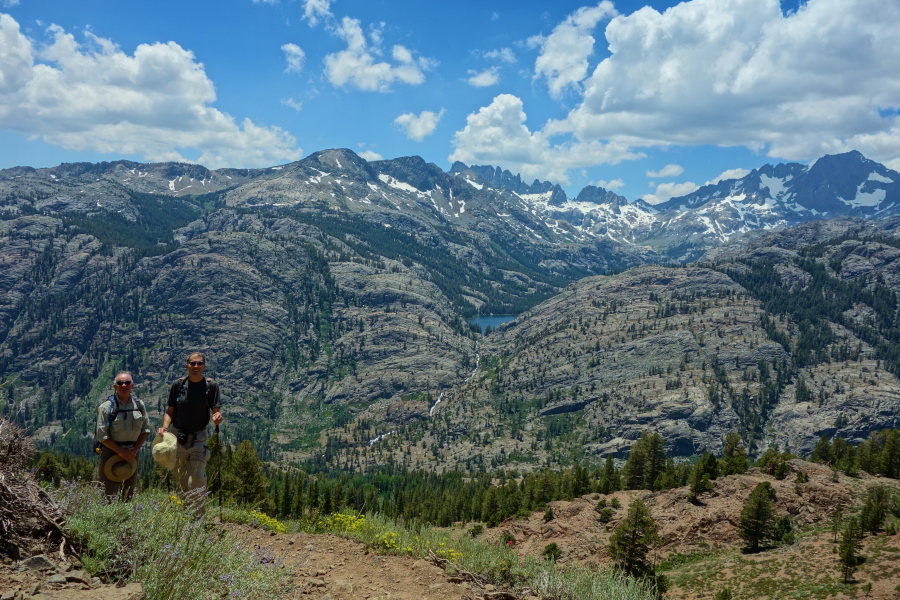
[217,418]
[161,430]
[126,453]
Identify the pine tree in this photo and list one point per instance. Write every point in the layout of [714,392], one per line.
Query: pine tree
[581,482]
[252,484]
[889,461]
[656,461]
[705,470]
[836,519]
[734,456]
[874,512]
[327,506]
[610,480]
[634,473]
[822,451]
[851,540]
[669,478]
[699,482]
[758,516]
[312,494]
[299,495]
[286,501]
[632,540]
[222,483]
[490,508]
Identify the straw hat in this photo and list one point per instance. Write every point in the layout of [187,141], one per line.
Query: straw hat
[118,469]
[163,448]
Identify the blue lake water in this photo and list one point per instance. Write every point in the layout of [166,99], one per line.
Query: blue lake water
[492,321]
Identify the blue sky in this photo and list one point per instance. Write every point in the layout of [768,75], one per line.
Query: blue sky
[648,99]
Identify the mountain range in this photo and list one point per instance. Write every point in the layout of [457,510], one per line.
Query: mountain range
[331,297]
[771,197]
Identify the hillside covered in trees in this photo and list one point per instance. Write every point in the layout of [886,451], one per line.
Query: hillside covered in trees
[332,298]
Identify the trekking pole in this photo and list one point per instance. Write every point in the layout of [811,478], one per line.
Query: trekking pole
[219,470]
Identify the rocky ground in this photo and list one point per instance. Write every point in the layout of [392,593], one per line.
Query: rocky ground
[322,567]
[701,551]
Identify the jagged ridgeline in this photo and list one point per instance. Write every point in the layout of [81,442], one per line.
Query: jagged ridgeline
[322,291]
[331,298]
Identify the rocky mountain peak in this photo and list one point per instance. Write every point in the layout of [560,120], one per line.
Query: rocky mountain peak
[503,179]
[598,195]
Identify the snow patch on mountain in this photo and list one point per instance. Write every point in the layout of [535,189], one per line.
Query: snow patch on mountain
[397,184]
[862,198]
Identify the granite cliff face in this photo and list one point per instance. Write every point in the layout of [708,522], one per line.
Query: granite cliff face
[331,297]
[803,346]
[323,291]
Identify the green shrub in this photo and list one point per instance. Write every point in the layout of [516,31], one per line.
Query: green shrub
[154,539]
[500,564]
[507,539]
[551,551]
[606,515]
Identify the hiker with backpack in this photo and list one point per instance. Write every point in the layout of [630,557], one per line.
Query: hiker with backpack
[122,428]
[193,400]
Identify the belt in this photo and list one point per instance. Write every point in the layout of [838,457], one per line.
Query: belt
[187,438]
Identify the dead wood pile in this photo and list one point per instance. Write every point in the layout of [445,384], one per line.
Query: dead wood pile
[30,521]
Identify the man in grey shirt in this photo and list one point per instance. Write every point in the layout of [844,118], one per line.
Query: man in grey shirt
[122,428]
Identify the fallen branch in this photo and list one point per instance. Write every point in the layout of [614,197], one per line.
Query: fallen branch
[28,515]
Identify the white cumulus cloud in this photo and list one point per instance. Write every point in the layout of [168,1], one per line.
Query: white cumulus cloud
[314,10]
[667,171]
[418,127]
[291,103]
[822,79]
[502,54]
[667,191]
[151,103]
[294,56]
[370,155]
[485,78]
[729,174]
[612,185]
[357,65]
[497,135]
[563,58]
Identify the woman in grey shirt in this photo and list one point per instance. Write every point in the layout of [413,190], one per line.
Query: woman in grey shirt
[122,428]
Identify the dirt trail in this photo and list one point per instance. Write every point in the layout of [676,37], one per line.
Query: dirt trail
[324,567]
[703,533]
[328,566]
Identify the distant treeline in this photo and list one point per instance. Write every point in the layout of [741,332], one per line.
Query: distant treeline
[237,475]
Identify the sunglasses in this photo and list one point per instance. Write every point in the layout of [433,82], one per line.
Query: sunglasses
[196,363]
[124,382]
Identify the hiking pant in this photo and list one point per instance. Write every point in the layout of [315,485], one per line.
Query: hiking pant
[121,489]
[190,470]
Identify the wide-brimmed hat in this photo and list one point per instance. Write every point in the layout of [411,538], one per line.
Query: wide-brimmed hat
[163,447]
[118,469]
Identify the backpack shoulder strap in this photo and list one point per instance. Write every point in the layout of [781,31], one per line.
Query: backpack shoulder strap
[209,402]
[113,410]
[182,389]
